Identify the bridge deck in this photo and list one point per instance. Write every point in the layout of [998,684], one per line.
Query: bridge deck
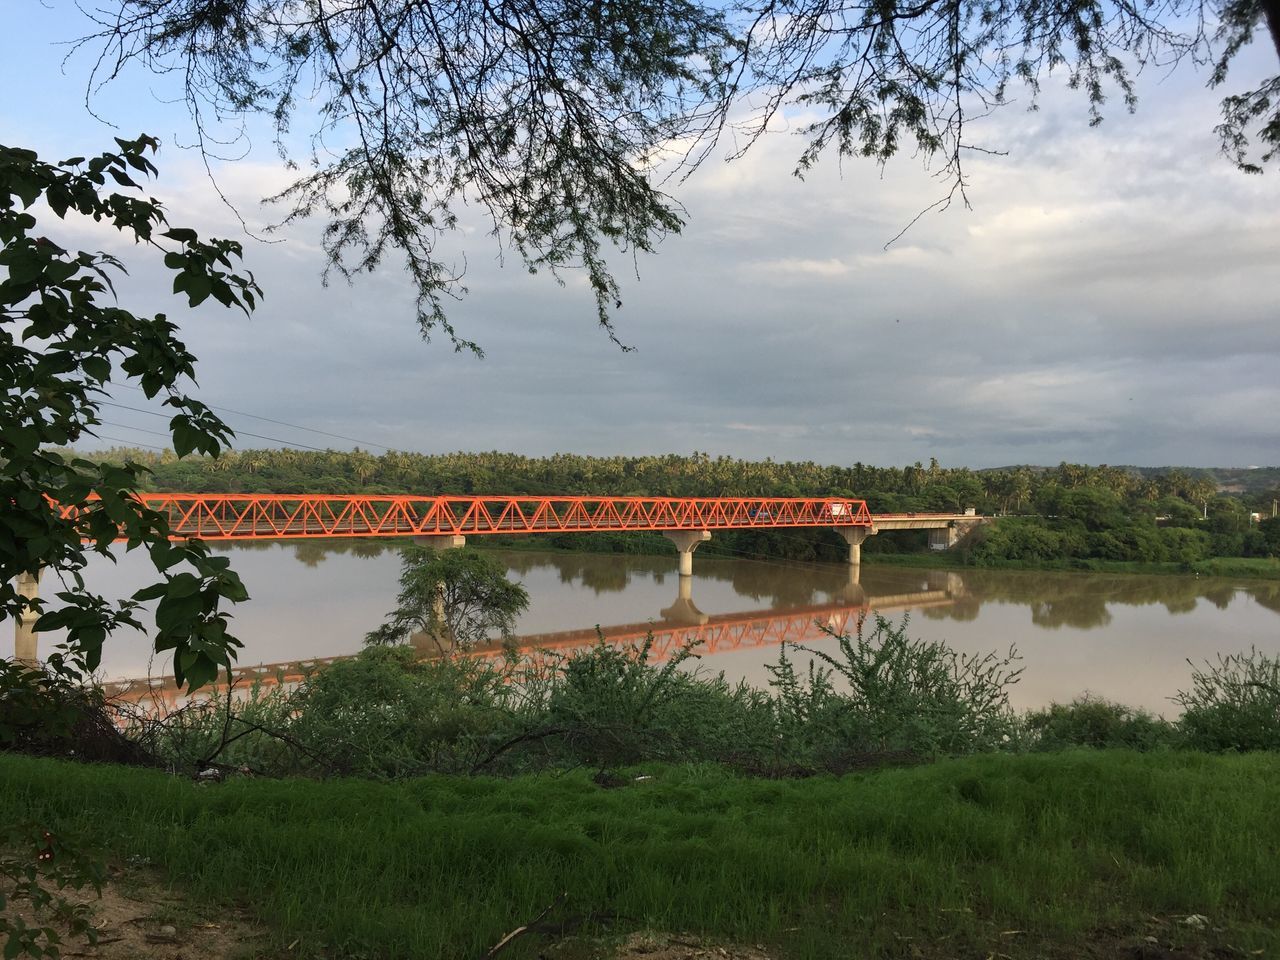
[210,516]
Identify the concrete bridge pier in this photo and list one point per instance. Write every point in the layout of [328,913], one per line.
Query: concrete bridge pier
[441,541]
[683,611]
[444,643]
[686,542]
[854,536]
[24,634]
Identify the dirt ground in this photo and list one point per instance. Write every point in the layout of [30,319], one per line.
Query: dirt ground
[140,919]
[661,946]
[137,918]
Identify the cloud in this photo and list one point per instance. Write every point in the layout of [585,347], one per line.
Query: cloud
[1111,295]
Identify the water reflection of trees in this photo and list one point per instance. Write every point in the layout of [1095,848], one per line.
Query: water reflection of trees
[1055,599]
[1267,595]
[1085,601]
[771,584]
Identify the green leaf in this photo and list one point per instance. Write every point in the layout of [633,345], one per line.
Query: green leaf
[99,368]
[185,436]
[201,671]
[198,287]
[183,585]
[153,592]
[175,612]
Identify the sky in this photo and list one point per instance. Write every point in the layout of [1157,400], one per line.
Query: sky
[1111,297]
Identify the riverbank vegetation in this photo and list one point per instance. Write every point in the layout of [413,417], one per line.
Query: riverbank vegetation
[884,801]
[869,699]
[1071,516]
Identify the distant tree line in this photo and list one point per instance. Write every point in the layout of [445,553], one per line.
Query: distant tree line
[1072,512]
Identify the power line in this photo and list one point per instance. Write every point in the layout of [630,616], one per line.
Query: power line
[129,443]
[281,423]
[239,433]
[126,426]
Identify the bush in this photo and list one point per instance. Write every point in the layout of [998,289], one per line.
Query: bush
[383,713]
[1233,704]
[886,693]
[1090,721]
[248,730]
[611,706]
[47,713]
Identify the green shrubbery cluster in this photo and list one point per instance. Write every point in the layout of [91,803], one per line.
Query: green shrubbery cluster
[878,697]
[386,714]
[1233,704]
[1090,721]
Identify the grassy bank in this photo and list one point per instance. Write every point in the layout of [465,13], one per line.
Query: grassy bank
[942,860]
[1263,568]
[655,545]
[642,544]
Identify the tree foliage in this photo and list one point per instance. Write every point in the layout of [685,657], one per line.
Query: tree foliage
[457,598]
[563,119]
[63,340]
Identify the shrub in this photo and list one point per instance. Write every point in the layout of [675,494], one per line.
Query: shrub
[1233,704]
[383,713]
[1090,721]
[47,712]
[883,692]
[247,729]
[612,706]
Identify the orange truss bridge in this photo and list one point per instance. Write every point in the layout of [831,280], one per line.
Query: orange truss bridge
[235,516]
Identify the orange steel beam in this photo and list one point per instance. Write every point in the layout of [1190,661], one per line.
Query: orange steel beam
[244,516]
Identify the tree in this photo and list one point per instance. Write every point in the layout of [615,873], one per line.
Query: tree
[457,598]
[558,117]
[62,341]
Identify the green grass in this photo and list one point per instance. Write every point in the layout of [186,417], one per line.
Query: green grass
[1263,568]
[1057,845]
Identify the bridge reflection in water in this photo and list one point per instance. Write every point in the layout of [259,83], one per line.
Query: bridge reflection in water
[682,624]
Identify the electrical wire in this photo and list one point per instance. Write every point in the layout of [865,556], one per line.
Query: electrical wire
[126,426]
[129,443]
[281,423]
[239,433]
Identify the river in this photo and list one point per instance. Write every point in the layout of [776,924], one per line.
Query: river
[1125,637]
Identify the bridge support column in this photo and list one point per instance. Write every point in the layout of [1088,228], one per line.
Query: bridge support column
[686,542]
[854,536]
[24,634]
[444,641]
[441,541]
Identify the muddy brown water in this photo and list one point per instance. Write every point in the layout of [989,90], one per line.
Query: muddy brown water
[1125,637]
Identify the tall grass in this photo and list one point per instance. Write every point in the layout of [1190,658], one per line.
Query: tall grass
[949,854]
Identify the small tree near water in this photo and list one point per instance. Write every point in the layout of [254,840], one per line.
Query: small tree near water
[454,598]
